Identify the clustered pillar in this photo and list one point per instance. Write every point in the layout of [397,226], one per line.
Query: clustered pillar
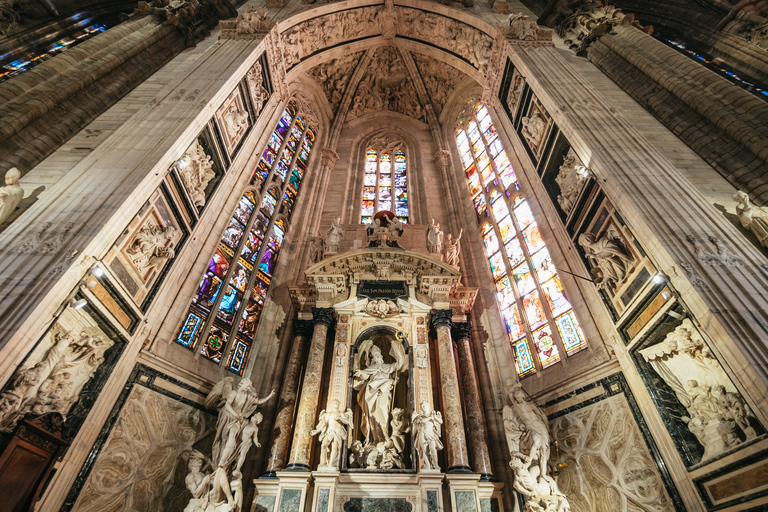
[310,391]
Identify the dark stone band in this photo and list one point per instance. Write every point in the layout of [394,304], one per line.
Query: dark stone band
[302,328]
[269,475]
[460,470]
[442,318]
[298,468]
[487,477]
[322,316]
[461,330]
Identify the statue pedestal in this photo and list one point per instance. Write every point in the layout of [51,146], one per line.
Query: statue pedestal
[326,482]
[463,489]
[292,490]
[489,495]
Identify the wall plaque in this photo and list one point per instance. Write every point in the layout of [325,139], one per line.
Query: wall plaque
[383,289]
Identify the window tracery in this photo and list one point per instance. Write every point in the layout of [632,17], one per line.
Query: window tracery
[385,182]
[529,291]
[237,279]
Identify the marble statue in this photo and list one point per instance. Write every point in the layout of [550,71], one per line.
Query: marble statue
[384,231]
[316,249]
[520,27]
[533,129]
[612,261]
[340,354]
[333,236]
[750,216]
[196,482]
[452,249]
[717,414]
[11,194]
[374,385]
[434,239]
[332,434]
[394,446]
[255,79]
[235,120]
[540,491]
[54,383]
[570,181]
[196,171]
[236,431]
[382,308]
[422,356]
[426,435]
[357,455]
[151,246]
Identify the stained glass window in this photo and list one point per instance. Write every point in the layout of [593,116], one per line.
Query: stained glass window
[534,305]
[225,310]
[385,183]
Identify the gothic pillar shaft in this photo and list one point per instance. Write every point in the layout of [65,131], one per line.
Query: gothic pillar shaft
[310,391]
[456,456]
[281,432]
[478,444]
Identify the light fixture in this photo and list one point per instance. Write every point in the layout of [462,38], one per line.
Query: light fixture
[658,278]
[583,171]
[77,304]
[183,162]
[98,272]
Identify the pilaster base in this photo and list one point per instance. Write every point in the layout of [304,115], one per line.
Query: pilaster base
[488,493]
[326,483]
[464,492]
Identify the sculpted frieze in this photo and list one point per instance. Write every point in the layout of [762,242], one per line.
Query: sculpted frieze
[439,79]
[333,76]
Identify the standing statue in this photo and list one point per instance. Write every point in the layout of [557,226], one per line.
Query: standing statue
[333,236]
[426,435]
[316,249]
[612,261]
[333,434]
[375,384]
[452,249]
[249,437]
[11,194]
[750,216]
[434,239]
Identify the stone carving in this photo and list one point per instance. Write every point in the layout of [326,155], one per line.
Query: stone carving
[725,254]
[587,23]
[10,16]
[609,465]
[386,86]
[252,24]
[255,80]
[571,180]
[53,382]
[333,76]
[316,249]
[235,119]
[708,394]
[332,434]
[392,456]
[387,19]
[333,236]
[610,257]
[43,241]
[151,246]
[526,425]
[196,171]
[236,430]
[702,252]
[750,216]
[452,249]
[757,34]
[439,79]
[533,129]
[341,354]
[382,308]
[520,27]
[11,194]
[434,239]
[384,231]
[427,431]
[422,356]
[375,384]
[515,90]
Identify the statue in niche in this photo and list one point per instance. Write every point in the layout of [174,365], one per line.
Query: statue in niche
[316,249]
[452,250]
[54,384]
[333,434]
[151,246]
[384,231]
[393,448]
[11,194]
[236,431]
[196,171]
[533,129]
[375,384]
[750,216]
[259,93]
[708,395]
[426,435]
[612,261]
[434,239]
[333,236]
[570,181]
[235,120]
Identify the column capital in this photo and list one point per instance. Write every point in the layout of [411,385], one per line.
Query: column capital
[461,330]
[322,316]
[302,328]
[442,318]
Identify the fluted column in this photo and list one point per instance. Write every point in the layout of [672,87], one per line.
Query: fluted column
[281,432]
[478,445]
[310,391]
[456,457]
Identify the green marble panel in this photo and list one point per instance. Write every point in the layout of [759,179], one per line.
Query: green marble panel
[465,501]
[265,504]
[322,500]
[290,500]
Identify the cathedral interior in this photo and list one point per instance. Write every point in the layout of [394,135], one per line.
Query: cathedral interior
[526,272]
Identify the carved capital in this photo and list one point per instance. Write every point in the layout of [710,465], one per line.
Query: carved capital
[322,316]
[442,159]
[302,328]
[328,158]
[461,330]
[442,318]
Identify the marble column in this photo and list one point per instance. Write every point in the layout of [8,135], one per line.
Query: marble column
[286,406]
[310,391]
[478,444]
[456,456]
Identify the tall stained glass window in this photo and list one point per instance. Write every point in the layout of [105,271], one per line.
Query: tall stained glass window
[225,311]
[539,318]
[385,184]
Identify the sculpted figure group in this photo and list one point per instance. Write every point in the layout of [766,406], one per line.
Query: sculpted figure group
[609,254]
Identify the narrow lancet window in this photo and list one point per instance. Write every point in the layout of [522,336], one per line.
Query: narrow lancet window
[385,184]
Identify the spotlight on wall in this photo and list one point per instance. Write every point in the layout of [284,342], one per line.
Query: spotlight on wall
[583,171]
[183,162]
[77,304]
[658,278]
[98,272]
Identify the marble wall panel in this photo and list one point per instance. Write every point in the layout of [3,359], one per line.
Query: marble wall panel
[378,505]
[290,500]
[322,500]
[265,504]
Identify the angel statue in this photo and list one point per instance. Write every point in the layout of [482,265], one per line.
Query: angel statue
[426,435]
[333,435]
[374,385]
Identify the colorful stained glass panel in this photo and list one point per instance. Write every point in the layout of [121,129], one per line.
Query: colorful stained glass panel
[546,348]
[523,359]
[534,311]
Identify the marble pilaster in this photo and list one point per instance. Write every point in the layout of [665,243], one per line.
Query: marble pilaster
[478,444]
[310,392]
[456,456]
[281,433]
